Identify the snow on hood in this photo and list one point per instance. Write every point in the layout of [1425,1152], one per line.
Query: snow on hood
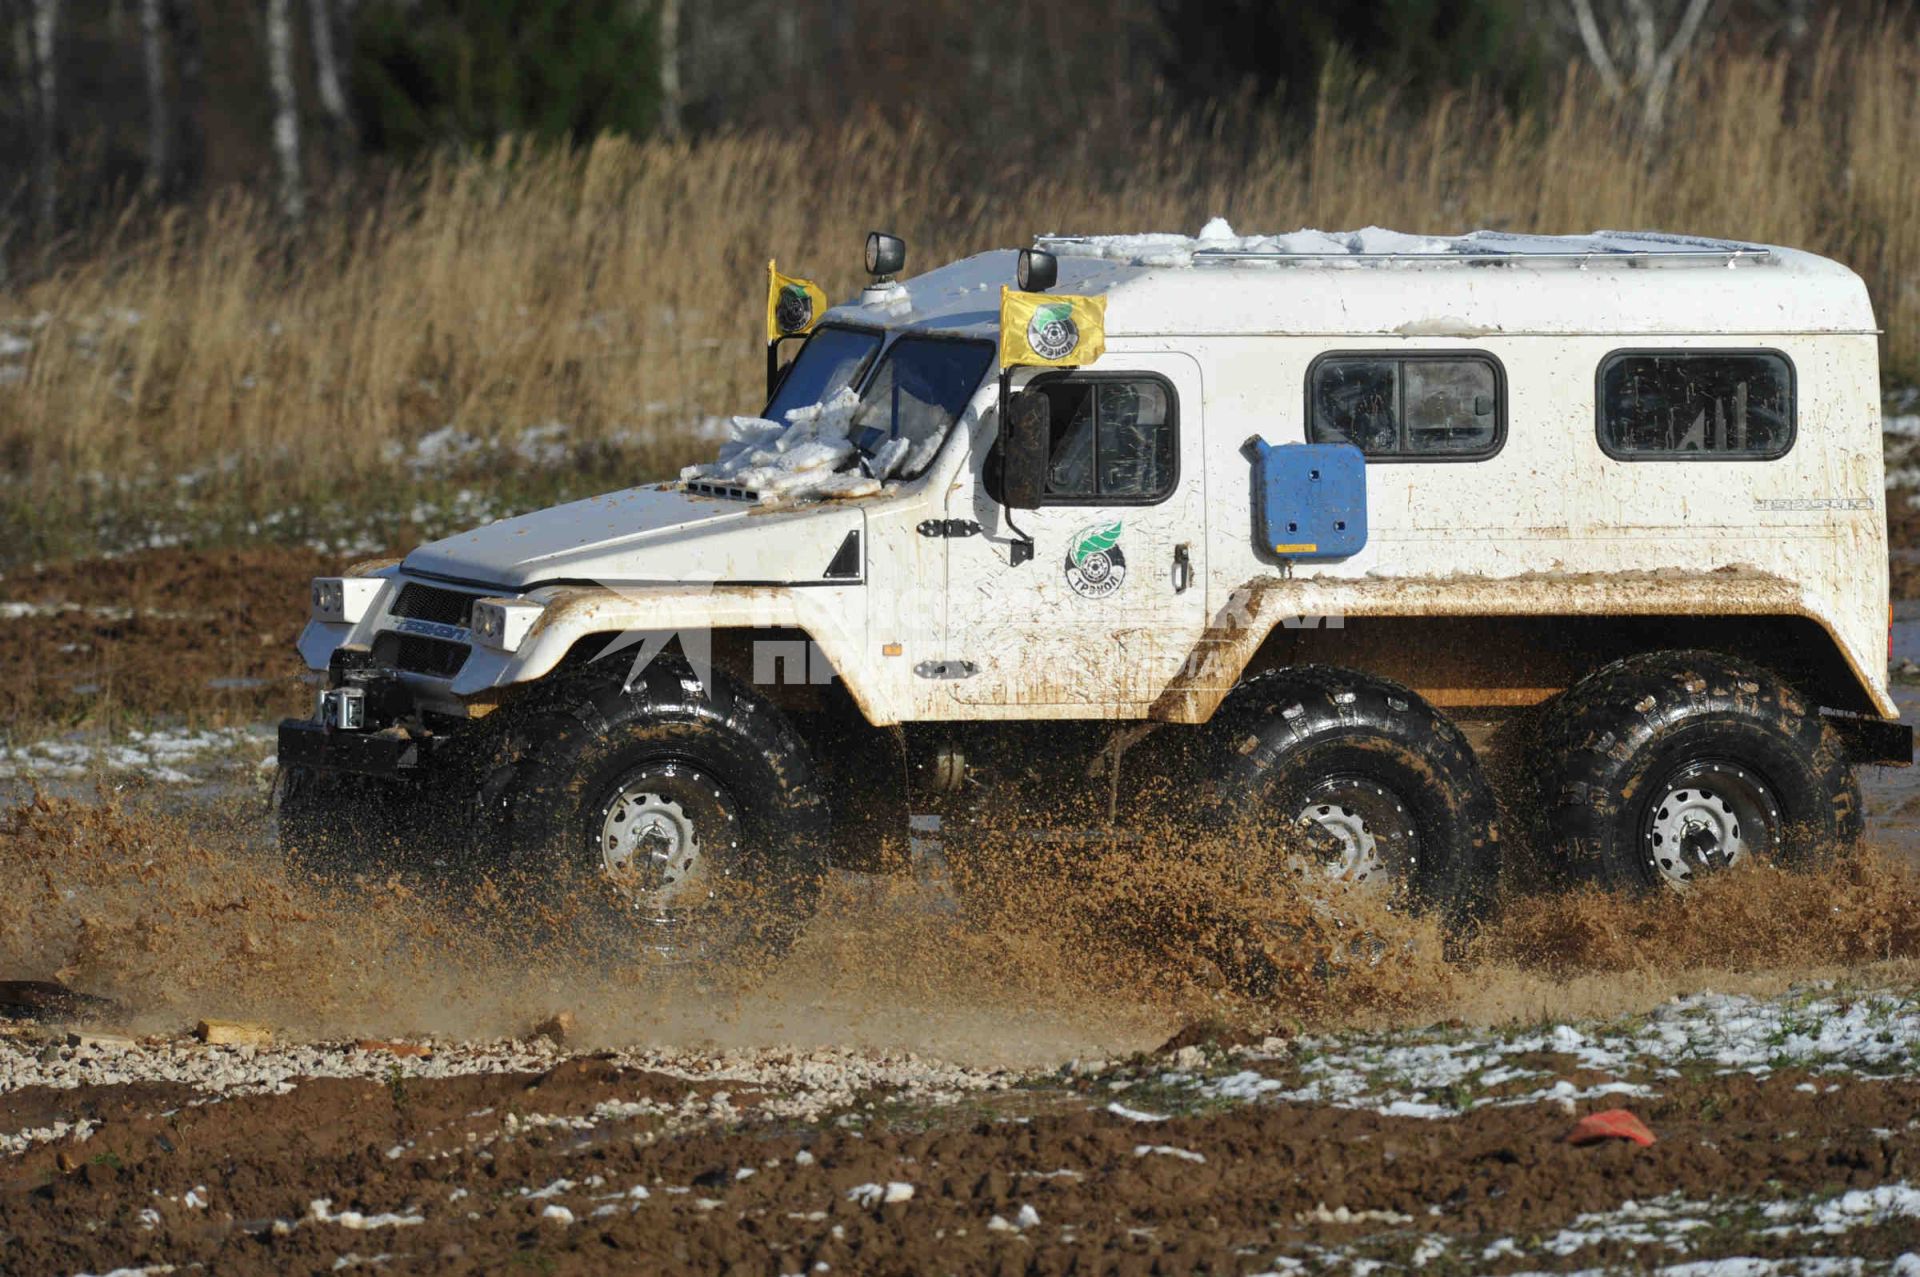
[801,459]
[1162,249]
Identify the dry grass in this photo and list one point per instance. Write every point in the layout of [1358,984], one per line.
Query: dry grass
[615,288]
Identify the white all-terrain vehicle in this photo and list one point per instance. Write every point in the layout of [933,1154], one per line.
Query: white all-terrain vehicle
[1271,529]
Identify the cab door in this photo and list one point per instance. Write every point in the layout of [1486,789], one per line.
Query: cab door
[1113,601]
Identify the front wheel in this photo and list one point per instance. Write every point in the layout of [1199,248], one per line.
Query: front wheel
[677,821]
[1664,768]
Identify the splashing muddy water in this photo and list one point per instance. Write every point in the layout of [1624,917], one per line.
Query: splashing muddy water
[183,915]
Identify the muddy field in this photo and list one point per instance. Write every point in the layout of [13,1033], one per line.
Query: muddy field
[912,1090]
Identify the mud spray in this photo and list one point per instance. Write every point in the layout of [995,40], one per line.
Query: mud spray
[179,916]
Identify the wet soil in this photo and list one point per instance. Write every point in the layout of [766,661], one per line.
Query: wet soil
[1247,1184]
[203,635]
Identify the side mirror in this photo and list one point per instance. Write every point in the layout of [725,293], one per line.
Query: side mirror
[1024,446]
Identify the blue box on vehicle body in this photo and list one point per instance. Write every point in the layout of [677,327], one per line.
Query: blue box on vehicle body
[1312,499]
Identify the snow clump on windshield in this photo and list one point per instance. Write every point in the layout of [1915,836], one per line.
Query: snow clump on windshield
[801,459]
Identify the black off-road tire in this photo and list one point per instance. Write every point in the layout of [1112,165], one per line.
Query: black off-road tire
[1293,735]
[1633,733]
[713,753]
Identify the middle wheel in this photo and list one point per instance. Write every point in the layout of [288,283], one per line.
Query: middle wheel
[1386,791]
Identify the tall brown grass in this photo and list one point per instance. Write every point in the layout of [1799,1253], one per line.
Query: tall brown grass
[616,287]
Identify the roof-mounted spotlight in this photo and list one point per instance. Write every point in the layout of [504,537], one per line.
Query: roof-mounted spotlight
[1037,272]
[886,255]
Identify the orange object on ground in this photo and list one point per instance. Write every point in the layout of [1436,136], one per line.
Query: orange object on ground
[1614,1124]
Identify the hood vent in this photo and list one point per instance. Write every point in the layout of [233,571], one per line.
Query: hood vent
[725,491]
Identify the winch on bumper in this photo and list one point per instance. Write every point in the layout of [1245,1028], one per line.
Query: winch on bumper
[364,722]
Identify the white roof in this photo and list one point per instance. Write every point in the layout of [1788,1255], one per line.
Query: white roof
[1383,283]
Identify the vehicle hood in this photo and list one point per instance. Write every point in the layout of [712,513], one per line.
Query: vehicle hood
[647,536]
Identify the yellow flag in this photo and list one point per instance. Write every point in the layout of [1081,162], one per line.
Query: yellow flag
[794,306]
[1058,331]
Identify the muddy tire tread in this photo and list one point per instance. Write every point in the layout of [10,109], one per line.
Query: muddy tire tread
[1277,713]
[1588,738]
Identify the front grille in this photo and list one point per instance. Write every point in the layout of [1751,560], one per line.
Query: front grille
[413,654]
[431,603]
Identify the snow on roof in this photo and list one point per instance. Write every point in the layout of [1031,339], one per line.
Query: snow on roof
[1217,244]
[1380,282]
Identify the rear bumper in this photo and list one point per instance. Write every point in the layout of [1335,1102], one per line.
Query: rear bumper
[305,743]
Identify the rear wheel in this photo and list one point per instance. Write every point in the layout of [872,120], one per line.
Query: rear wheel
[1386,792]
[678,821]
[1665,767]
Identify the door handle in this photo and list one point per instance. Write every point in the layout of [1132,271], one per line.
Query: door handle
[1182,569]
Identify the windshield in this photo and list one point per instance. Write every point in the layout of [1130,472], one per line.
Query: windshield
[832,359]
[918,393]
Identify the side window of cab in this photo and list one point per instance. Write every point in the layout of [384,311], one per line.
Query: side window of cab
[1113,439]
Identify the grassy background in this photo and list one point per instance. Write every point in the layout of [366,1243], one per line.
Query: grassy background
[204,374]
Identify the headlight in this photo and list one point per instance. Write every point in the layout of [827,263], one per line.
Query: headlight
[503,624]
[344,598]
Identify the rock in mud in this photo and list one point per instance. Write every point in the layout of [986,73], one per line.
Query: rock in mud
[233,1033]
[555,1028]
[50,1001]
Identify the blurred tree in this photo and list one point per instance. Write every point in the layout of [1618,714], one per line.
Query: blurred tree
[286,110]
[1218,49]
[43,58]
[430,72]
[1637,46]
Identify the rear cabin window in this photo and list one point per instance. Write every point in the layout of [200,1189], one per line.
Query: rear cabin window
[1408,407]
[1112,440]
[1696,405]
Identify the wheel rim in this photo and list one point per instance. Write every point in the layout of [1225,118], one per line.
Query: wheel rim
[652,849]
[1708,816]
[1371,836]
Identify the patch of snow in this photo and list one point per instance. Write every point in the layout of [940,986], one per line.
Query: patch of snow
[558,1214]
[1856,1208]
[19,1142]
[799,459]
[1168,1150]
[1134,1115]
[157,755]
[320,1211]
[870,1195]
[1408,1075]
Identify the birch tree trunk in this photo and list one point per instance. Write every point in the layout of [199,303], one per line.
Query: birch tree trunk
[286,109]
[159,114]
[327,79]
[670,99]
[46,96]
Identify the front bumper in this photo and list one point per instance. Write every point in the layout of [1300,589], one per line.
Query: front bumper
[306,743]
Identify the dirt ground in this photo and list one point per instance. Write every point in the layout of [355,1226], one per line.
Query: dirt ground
[207,636]
[907,1093]
[440,1176]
